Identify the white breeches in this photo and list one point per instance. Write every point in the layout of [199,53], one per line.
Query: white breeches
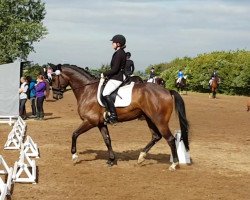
[178,80]
[111,86]
[151,80]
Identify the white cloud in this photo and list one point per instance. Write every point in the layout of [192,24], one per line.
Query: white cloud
[156,31]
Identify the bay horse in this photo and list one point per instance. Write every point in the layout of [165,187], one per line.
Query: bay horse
[150,100]
[214,83]
[157,80]
[160,81]
[182,85]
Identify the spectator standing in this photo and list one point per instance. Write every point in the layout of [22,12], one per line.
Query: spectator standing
[44,72]
[23,97]
[32,88]
[49,73]
[40,88]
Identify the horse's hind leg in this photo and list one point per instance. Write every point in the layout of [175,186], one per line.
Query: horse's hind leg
[105,134]
[156,136]
[166,133]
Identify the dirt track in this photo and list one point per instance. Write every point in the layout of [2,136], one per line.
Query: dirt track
[220,146]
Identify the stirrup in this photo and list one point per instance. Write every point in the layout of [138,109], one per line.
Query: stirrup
[113,119]
[109,119]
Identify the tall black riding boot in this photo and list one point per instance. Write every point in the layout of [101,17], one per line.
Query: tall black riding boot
[111,108]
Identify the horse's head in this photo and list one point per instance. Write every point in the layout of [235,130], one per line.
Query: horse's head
[160,82]
[217,79]
[64,75]
[59,83]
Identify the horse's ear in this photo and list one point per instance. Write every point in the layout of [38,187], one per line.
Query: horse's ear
[59,67]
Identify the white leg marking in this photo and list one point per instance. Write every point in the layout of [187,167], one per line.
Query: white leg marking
[173,166]
[75,157]
[141,158]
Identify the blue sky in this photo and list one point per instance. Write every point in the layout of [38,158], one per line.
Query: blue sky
[156,30]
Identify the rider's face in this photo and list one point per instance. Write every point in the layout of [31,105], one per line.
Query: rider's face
[114,45]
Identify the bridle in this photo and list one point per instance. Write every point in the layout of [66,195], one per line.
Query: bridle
[59,89]
[91,83]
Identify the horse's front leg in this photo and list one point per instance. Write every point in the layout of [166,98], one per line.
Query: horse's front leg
[214,94]
[85,126]
[106,137]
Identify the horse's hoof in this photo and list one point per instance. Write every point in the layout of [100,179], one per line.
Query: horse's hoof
[141,158]
[111,163]
[75,158]
[173,167]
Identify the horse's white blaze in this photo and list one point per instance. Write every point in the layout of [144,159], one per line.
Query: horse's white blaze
[173,166]
[75,157]
[141,158]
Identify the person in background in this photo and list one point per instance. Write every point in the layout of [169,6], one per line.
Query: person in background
[180,76]
[23,97]
[40,88]
[151,75]
[44,72]
[32,83]
[211,81]
[214,74]
[129,67]
[49,73]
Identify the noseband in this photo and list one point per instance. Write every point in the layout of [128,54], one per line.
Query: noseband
[58,89]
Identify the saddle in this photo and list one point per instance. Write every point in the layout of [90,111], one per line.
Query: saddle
[121,97]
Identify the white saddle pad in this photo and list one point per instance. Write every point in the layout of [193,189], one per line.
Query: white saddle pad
[124,96]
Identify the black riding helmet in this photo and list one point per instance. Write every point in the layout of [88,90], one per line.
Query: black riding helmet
[119,39]
[128,54]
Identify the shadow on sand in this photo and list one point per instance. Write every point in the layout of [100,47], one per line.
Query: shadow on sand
[124,156]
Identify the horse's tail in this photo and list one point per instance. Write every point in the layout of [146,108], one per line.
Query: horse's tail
[180,109]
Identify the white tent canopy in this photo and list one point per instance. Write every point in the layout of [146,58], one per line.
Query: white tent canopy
[9,96]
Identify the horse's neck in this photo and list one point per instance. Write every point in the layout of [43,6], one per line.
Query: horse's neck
[214,83]
[79,83]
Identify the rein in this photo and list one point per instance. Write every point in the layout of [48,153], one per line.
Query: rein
[85,85]
[76,87]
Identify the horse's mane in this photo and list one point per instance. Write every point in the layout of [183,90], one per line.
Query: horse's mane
[80,70]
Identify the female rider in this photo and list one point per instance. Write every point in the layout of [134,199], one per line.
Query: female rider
[115,75]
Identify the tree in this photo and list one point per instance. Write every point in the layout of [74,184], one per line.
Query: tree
[233,68]
[32,70]
[20,26]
